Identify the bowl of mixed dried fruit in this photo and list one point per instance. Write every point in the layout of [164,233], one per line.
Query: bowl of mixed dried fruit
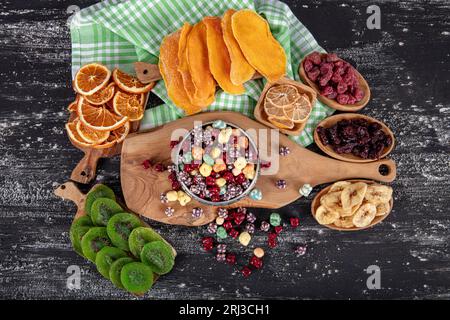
[217,163]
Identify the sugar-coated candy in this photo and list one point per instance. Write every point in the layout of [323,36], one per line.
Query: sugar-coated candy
[197,212]
[222,212]
[258,252]
[205,170]
[244,238]
[221,182]
[197,152]
[284,151]
[300,250]
[218,167]
[219,124]
[256,194]
[187,157]
[265,226]
[294,221]
[251,217]
[240,163]
[246,271]
[236,171]
[163,198]
[281,184]
[169,211]
[250,228]
[256,262]
[208,159]
[220,221]
[215,152]
[172,195]
[207,243]
[221,233]
[220,257]
[305,190]
[221,248]
[275,219]
[212,227]
[233,233]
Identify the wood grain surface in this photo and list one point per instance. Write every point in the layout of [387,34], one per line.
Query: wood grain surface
[406,64]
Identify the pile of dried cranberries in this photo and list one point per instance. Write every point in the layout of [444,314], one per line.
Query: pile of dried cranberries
[336,78]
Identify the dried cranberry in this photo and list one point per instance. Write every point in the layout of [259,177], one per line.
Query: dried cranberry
[313,74]
[233,233]
[348,78]
[322,132]
[295,222]
[315,57]
[358,94]
[341,87]
[210,181]
[240,178]
[327,91]
[227,175]
[342,98]
[351,100]
[246,271]
[326,68]
[239,218]
[339,63]
[332,57]
[387,141]
[227,225]
[146,164]
[207,243]
[307,65]
[278,229]
[173,143]
[231,258]
[324,79]
[176,185]
[256,262]
[336,78]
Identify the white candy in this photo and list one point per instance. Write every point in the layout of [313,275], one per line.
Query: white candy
[240,163]
[305,190]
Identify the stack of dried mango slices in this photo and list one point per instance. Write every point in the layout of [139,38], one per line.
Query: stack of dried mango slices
[225,51]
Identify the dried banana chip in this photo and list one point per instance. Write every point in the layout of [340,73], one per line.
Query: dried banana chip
[325,216]
[383,208]
[332,201]
[339,186]
[365,215]
[353,195]
[344,222]
[378,194]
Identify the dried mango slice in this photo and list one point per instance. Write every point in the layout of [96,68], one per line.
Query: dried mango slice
[197,59]
[219,59]
[168,65]
[240,71]
[183,67]
[258,45]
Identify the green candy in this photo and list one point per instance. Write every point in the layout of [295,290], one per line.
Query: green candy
[208,159]
[187,157]
[275,219]
[219,124]
[221,233]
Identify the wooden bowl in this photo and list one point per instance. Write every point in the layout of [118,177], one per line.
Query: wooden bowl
[262,117]
[333,103]
[330,121]
[316,203]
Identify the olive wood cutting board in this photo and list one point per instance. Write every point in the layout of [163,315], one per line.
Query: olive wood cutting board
[142,187]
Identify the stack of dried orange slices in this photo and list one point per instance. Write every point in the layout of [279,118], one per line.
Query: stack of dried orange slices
[285,106]
[105,104]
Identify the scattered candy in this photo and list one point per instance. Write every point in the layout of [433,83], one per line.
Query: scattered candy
[220,221]
[222,212]
[281,184]
[239,218]
[256,262]
[231,258]
[207,243]
[173,143]
[246,271]
[219,124]
[305,190]
[250,228]
[265,226]
[208,160]
[251,217]
[275,219]
[284,151]
[197,213]
[300,250]
[159,167]
[169,211]
[278,229]
[256,194]
[220,257]
[205,169]
[212,227]
[221,233]
[184,199]
[272,243]
[176,185]
[258,252]
[163,198]
[221,248]
[227,225]
[233,233]
[187,157]
[146,164]
[215,153]
[295,222]
[171,168]
[265,164]
[244,238]
[172,195]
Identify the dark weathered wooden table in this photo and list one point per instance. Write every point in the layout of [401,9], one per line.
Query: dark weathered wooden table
[406,63]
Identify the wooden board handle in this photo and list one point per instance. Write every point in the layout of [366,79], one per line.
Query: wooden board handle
[372,170]
[85,170]
[147,72]
[70,191]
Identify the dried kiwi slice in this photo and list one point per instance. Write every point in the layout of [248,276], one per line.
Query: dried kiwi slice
[119,228]
[158,255]
[105,257]
[103,209]
[93,241]
[99,191]
[136,277]
[78,229]
[116,268]
[139,237]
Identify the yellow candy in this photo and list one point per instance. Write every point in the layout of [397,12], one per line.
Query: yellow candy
[197,153]
[219,167]
[236,132]
[215,152]
[223,136]
[244,238]
[240,163]
[258,252]
[236,171]
[183,198]
[221,182]
[194,172]
[220,221]
[249,171]
[220,161]
[172,195]
[243,142]
[205,170]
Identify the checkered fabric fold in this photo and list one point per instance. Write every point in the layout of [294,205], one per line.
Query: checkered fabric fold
[118,33]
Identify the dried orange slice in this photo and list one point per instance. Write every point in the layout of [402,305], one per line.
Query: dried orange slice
[273,110]
[91,135]
[129,105]
[299,111]
[99,117]
[115,137]
[129,83]
[73,106]
[103,95]
[91,78]
[282,123]
[71,128]
[282,95]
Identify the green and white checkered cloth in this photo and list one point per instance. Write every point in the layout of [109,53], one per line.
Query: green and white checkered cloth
[118,33]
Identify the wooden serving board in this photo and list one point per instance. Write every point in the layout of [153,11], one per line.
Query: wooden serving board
[142,188]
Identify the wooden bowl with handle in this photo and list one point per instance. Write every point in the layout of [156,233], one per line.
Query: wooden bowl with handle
[331,121]
[331,102]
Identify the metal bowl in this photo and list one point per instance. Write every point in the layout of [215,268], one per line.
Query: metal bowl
[252,145]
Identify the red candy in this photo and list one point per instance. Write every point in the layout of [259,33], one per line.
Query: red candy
[172,177]
[239,218]
[159,167]
[246,271]
[146,164]
[210,181]
[231,258]
[227,175]
[233,233]
[240,178]
[227,225]
[173,143]
[208,243]
[295,222]
[273,236]
[176,186]
[278,229]
[273,243]
[256,262]
[266,164]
